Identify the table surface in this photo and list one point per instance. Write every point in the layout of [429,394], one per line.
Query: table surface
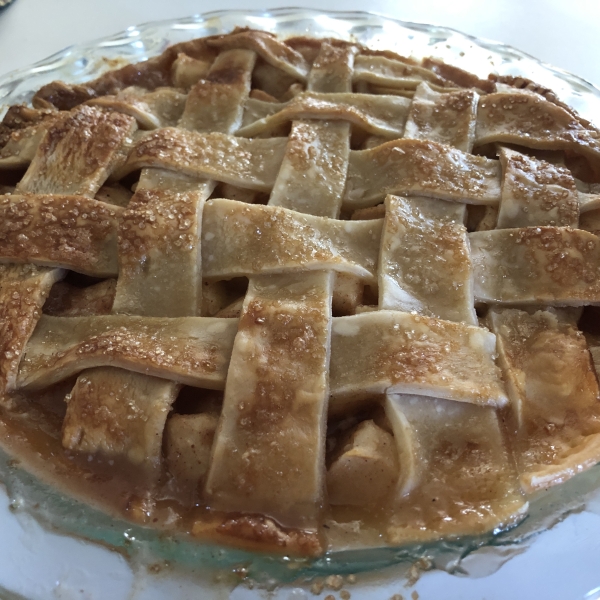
[565,34]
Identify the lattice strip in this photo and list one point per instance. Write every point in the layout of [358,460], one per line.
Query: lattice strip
[420,168]
[151,110]
[528,119]
[456,474]
[241,239]
[536,192]
[191,350]
[378,115]
[73,232]
[22,146]
[23,290]
[278,420]
[397,352]
[159,246]
[77,154]
[128,426]
[447,117]
[246,163]
[217,102]
[273,417]
[425,264]
[162,227]
[536,265]
[390,73]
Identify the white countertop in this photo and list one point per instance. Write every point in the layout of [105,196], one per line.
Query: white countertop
[563,33]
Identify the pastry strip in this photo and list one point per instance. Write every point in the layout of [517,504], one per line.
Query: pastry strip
[73,232]
[424,263]
[528,119]
[160,108]
[421,168]
[78,153]
[379,115]
[536,192]
[536,265]
[398,352]
[456,474]
[190,350]
[314,167]
[387,72]
[275,405]
[23,291]
[159,246]
[268,456]
[22,146]
[128,423]
[447,117]
[217,102]
[248,239]
[246,163]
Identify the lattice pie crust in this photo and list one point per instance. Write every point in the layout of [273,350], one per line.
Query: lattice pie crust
[260,291]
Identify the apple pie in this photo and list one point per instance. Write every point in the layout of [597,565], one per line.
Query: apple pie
[256,291]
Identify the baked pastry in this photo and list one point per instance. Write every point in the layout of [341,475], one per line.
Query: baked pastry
[258,291]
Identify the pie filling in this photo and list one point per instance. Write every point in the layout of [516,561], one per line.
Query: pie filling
[252,288]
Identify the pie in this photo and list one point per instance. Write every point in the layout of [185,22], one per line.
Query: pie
[299,295]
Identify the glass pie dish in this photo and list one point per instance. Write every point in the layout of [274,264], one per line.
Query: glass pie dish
[86,62]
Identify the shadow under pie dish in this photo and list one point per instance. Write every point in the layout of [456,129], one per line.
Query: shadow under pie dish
[207,254]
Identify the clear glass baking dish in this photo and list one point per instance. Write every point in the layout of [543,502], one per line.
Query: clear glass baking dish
[86,61]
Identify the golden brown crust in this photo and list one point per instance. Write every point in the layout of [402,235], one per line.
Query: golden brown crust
[556,266]
[21,117]
[78,152]
[73,232]
[249,163]
[153,73]
[535,192]
[23,291]
[522,83]
[190,350]
[423,168]
[457,76]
